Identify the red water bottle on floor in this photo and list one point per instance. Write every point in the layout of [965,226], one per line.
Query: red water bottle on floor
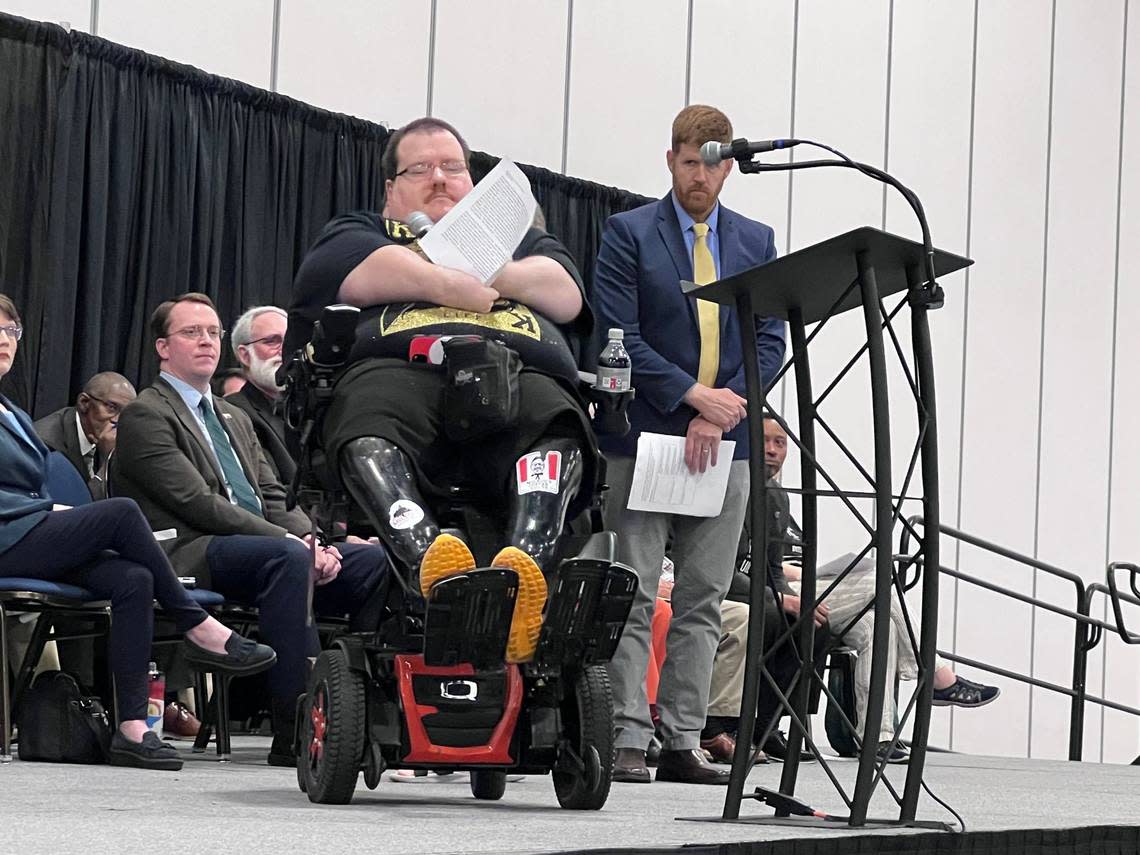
[156,699]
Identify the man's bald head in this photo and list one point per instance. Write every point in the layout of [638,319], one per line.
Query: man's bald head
[105,382]
[101,401]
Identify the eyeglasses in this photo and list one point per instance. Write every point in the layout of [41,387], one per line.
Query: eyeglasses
[270,341]
[111,407]
[416,171]
[13,331]
[197,331]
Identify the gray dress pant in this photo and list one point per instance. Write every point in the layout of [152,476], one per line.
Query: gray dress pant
[704,556]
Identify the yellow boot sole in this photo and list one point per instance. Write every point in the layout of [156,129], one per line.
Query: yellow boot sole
[447,556]
[527,621]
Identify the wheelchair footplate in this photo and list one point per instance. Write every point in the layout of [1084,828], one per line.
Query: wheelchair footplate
[469,618]
[585,613]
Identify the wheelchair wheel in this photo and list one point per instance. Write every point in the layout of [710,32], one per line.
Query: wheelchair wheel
[332,731]
[488,784]
[582,782]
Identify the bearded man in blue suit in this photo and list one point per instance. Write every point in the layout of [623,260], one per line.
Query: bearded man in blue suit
[688,369]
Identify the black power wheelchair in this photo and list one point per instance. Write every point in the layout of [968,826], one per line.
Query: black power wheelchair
[430,688]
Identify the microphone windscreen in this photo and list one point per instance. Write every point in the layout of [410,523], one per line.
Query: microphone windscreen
[419,223]
[711,153]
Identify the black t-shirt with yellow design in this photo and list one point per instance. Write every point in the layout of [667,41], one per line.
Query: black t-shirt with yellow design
[387,330]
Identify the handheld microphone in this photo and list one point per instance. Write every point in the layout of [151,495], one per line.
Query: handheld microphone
[714,152]
[419,223]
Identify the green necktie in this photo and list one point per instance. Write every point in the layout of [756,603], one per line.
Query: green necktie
[243,492]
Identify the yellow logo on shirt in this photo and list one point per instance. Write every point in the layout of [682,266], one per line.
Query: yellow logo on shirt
[505,316]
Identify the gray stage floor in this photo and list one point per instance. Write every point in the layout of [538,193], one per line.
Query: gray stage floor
[245,806]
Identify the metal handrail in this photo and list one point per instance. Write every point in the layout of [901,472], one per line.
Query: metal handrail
[1088,630]
[1115,596]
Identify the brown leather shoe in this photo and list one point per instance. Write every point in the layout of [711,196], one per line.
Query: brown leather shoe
[630,768]
[720,748]
[689,767]
[178,722]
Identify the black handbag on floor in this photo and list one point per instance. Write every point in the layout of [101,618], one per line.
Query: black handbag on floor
[59,723]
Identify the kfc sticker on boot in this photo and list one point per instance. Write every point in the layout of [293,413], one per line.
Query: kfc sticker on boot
[404,514]
[539,473]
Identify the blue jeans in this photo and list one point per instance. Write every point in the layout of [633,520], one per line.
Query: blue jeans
[273,573]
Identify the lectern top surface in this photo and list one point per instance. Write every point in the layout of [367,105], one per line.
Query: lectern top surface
[813,278]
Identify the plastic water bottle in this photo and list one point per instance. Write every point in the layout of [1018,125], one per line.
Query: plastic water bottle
[614,365]
[156,699]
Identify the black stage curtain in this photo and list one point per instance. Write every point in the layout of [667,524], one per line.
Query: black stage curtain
[126,179]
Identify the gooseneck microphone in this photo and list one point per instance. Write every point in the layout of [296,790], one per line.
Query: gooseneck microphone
[419,223]
[714,152]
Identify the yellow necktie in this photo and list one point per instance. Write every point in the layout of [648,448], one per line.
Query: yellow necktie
[708,314]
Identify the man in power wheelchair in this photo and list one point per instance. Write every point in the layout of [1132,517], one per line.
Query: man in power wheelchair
[427,399]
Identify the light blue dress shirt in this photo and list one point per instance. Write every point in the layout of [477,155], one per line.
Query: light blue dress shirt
[193,399]
[691,237]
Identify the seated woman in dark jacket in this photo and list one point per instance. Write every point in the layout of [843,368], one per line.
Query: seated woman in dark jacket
[108,548]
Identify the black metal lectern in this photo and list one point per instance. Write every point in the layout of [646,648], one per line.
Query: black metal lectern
[859,269]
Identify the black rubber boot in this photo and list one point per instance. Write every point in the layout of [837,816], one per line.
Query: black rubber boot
[537,516]
[380,478]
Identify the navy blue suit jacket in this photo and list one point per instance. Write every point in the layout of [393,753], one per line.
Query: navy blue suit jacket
[637,277]
[24,499]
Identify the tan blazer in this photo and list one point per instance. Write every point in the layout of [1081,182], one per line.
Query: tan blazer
[163,461]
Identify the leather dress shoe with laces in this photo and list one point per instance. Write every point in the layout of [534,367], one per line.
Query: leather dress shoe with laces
[630,768]
[722,747]
[689,766]
[178,722]
[719,748]
[242,657]
[777,748]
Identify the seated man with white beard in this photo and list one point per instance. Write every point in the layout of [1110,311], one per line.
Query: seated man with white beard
[256,339]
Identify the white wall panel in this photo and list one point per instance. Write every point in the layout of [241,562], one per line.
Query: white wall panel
[999,462]
[741,62]
[928,150]
[841,75]
[627,82]
[367,58]
[1121,679]
[503,84]
[76,13]
[231,39]
[1073,512]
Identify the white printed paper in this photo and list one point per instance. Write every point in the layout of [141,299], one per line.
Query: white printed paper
[480,234]
[662,482]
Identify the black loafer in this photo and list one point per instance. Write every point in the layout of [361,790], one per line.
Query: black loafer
[242,657]
[151,753]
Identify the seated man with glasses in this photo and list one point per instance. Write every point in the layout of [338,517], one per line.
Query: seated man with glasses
[256,340]
[398,445]
[194,465]
[85,434]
